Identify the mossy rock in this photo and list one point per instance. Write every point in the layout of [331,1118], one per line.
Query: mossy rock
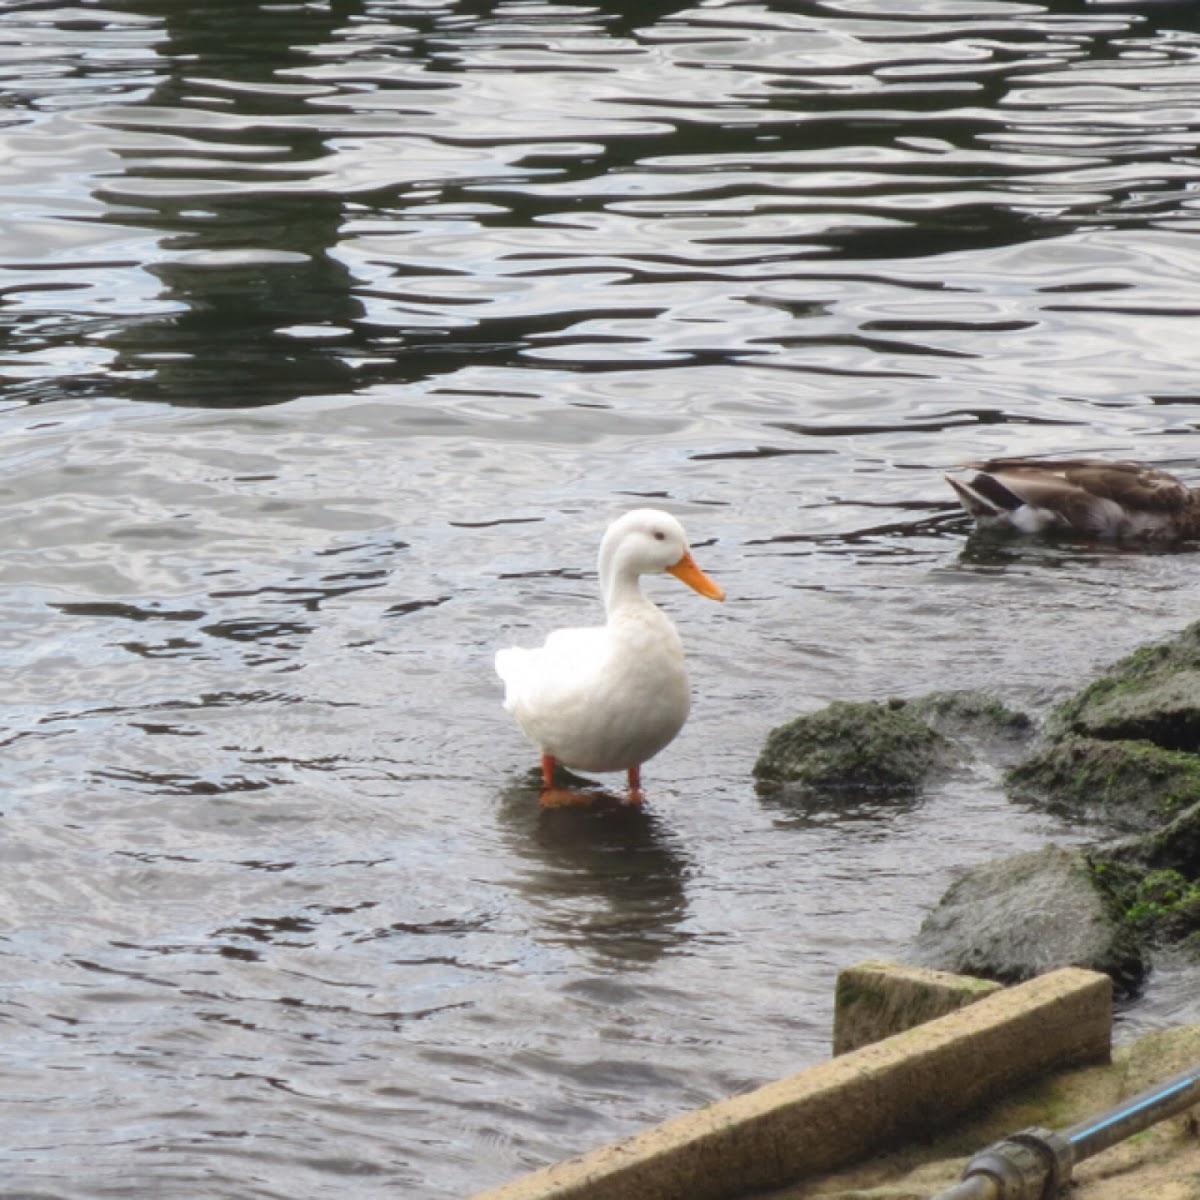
[1018,917]
[1153,880]
[1165,905]
[851,747]
[1159,905]
[1130,785]
[1153,695]
[1174,846]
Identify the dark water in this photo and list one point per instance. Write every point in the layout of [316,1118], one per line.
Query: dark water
[332,334]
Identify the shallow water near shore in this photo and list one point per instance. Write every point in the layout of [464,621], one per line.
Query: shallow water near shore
[333,335]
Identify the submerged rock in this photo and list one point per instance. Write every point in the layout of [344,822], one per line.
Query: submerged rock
[847,747]
[972,714]
[1129,785]
[1019,917]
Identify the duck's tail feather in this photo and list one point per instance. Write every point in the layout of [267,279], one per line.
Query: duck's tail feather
[985,496]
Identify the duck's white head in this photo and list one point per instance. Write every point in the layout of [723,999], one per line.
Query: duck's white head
[645,541]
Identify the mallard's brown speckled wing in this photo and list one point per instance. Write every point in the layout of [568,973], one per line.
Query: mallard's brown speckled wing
[1052,483]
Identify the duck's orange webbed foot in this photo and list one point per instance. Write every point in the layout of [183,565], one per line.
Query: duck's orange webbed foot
[565,798]
[558,797]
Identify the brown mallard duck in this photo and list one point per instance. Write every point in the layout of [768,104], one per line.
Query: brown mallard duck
[1090,497]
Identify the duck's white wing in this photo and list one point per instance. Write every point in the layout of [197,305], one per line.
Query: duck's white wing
[602,699]
[548,674]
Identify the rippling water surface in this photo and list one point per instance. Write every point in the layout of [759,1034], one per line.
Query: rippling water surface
[332,335]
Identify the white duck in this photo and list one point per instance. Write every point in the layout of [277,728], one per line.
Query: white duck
[1088,496]
[609,697]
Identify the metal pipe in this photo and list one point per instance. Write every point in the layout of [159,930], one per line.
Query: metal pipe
[978,1187]
[1036,1163]
[1148,1108]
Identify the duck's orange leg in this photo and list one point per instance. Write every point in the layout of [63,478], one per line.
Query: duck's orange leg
[635,785]
[548,765]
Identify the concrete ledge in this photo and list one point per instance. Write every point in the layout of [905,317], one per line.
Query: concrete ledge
[876,1000]
[850,1107]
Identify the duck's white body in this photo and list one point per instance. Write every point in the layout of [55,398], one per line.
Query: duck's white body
[608,698]
[602,699]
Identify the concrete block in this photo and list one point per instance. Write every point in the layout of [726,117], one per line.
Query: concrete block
[849,1107]
[876,1000]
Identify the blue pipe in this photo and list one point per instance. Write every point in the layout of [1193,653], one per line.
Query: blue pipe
[1035,1164]
[1090,1137]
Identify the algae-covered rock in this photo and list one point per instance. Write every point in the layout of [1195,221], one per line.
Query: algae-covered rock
[1159,906]
[1130,785]
[1153,695]
[851,747]
[1175,846]
[1165,905]
[1124,750]
[1153,881]
[1018,917]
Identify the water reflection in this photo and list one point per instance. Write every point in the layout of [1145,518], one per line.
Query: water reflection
[848,811]
[608,878]
[360,193]
[262,308]
[995,551]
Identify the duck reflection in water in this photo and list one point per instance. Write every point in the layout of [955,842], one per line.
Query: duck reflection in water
[606,878]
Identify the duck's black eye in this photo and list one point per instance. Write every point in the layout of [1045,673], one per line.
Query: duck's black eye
[659,535]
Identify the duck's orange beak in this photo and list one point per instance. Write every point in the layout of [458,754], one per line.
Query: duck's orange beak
[691,574]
